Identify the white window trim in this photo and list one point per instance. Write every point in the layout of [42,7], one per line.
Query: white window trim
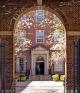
[59,68]
[43,38]
[42,11]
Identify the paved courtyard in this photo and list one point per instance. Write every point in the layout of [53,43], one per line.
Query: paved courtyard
[40,87]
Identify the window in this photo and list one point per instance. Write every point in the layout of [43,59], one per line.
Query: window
[59,66]
[39,15]
[40,36]
[21,65]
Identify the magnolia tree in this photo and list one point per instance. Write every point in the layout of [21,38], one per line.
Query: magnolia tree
[56,37]
[21,41]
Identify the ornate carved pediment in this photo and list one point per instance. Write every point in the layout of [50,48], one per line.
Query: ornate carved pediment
[39,48]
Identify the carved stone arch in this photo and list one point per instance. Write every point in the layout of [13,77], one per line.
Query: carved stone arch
[18,13]
[25,9]
[59,14]
[12,24]
[63,17]
[21,12]
[40,58]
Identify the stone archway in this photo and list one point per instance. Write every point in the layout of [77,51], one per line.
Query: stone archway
[54,49]
[55,38]
[72,28]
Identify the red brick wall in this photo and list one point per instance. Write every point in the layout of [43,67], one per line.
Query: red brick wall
[7,61]
[70,13]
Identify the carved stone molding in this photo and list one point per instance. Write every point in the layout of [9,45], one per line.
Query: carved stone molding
[73,33]
[6,33]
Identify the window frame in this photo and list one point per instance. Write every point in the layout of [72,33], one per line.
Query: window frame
[59,66]
[41,14]
[40,39]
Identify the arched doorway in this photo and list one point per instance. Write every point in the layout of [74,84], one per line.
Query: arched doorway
[40,28]
[40,66]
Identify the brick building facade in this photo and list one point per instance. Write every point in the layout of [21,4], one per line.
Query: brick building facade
[43,38]
[69,11]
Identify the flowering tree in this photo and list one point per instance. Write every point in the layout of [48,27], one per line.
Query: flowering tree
[21,42]
[56,37]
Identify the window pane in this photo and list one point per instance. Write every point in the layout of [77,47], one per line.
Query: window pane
[58,66]
[39,40]
[40,33]
[21,65]
[39,15]
[40,36]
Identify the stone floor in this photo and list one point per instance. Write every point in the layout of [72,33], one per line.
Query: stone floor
[40,87]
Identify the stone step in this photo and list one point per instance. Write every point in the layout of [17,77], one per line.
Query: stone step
[39,77]
[39,87]
[41,91]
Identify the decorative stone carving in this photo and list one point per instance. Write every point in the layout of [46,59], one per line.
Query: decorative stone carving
[39,51]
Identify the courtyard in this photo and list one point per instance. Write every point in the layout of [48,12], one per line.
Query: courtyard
[40,87]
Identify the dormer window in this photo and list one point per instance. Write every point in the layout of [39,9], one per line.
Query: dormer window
[40,36]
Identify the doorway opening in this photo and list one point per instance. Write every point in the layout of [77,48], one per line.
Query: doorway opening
[43,28]
[39,68]
[40,34]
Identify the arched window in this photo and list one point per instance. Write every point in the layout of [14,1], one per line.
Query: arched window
[40,58]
